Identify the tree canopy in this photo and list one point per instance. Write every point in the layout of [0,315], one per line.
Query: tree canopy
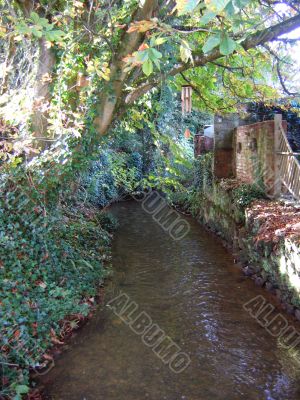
[96,58]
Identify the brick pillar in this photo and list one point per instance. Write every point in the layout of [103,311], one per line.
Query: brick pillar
[224,147]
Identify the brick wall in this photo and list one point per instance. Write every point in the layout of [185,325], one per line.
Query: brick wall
[254,153]
[202,144]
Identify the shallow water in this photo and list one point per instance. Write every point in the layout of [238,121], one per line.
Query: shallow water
[194,292]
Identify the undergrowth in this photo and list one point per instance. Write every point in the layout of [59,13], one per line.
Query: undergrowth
[52,263]
[245,194]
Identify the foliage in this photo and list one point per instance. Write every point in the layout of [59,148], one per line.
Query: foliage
[51,265]
[113,176]
[38,27]
[203,175]
[190,199]
[245,194]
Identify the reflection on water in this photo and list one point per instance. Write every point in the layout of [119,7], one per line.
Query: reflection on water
[193,291]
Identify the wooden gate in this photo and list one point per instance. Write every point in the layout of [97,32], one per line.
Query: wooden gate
[287,168]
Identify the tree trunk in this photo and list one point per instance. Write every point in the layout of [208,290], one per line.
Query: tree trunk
[42,94]
[112,93]
[46,62]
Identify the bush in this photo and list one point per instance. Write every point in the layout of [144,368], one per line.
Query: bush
[113,176]
[108,221]
[203,175]
[245,194]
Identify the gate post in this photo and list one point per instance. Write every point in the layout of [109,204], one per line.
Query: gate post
[277,133]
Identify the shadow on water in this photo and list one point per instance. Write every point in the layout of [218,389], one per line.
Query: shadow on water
[194,292]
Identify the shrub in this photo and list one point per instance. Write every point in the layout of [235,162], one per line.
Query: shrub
[245,194]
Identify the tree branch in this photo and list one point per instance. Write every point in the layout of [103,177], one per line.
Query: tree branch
[111,95]
[259,38]
[281,80]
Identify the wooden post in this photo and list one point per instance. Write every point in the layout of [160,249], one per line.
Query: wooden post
[277,133]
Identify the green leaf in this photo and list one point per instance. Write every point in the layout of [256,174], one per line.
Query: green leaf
[217,5]
[35,17]
[21,389]
[248,89]
[23,29]
[185,51]
[211,43]
[54,36]
[186,6]
[36,32]
[153,54]
[148,67]
[157,41]
[207,17]
[44,23]
[89,265]
[142,56]
[230,10]
[157,63]
[227,45]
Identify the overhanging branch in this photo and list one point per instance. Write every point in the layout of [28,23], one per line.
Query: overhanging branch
[259,38]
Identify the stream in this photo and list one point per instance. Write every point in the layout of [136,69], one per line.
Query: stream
[192,290]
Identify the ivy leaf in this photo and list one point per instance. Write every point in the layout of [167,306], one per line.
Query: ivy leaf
[148,67]
[227,45]
[211,43]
